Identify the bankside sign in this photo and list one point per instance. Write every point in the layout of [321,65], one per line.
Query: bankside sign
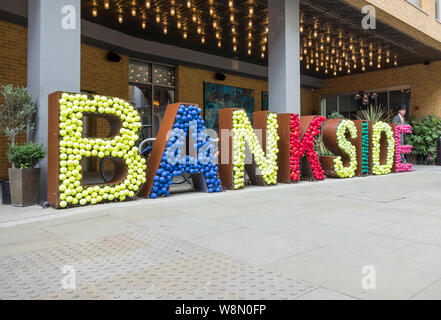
[276,148]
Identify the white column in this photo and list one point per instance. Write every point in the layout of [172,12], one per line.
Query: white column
[54,51]
[284,56]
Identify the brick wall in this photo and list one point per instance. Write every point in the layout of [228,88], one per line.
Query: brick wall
[190,87]
[13,69]
[98,75]
[424,81]
[106,78]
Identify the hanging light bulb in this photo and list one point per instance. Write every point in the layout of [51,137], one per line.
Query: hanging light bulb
[211,11]
[184,34]
[106,4]
[249,51]
[203,39]
[230,3]
[148,4]
[250,23]
[158,18]
[165,29]
[232,17]
[133,11]
[234,48]
[219,43]
[301,28]
[143,24]
[120,18]
[251,11]
[234,39]
[94,11]
[262,55]
[179,24]
[172,11]
[189,4]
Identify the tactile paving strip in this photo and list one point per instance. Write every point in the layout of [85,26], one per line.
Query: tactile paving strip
[140,265]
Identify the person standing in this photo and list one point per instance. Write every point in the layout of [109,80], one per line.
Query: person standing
[399,119]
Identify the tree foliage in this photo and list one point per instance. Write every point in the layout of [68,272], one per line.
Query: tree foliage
[17,112]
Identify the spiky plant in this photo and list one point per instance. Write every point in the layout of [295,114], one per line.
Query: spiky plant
[375,114]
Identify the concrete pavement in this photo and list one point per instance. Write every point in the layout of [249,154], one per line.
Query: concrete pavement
[302,241]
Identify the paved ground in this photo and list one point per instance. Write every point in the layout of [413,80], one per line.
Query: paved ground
[302,241]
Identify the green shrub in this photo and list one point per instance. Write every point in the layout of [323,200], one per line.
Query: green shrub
[320,147]
[26,155]
[426,132]
[336,115]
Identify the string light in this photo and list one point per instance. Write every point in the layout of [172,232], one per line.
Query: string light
[322,49]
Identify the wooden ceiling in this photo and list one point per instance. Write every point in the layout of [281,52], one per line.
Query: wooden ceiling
[328,17]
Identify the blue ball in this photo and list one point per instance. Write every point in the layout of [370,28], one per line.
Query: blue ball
[153,195]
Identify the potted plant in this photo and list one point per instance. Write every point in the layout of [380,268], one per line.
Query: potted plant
[426,133]
[16,117]
[24,177]
[326,157]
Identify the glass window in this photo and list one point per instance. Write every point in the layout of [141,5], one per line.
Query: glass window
[140,72]
[163,75]
[151,89]
[396,98]
[347,106]
[163,97]
[141,97]
[415,3]
[382,100]
[331,105]
[437,9]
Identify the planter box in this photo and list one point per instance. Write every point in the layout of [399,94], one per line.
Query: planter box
[6,192]
[25,186]
[327,163]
